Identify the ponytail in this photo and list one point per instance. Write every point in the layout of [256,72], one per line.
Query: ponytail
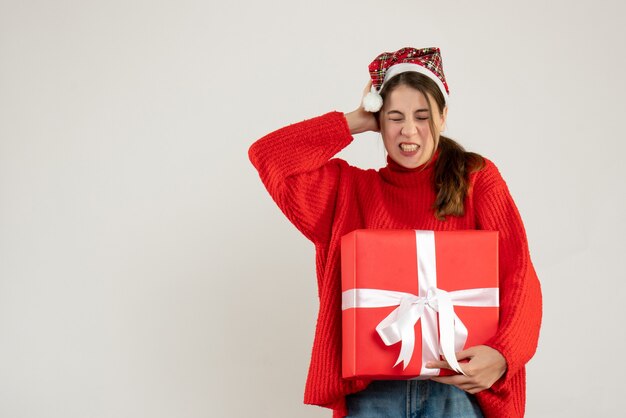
[451,177]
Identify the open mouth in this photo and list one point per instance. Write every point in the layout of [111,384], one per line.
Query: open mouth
[409,147]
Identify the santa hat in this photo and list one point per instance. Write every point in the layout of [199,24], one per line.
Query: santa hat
[425,61]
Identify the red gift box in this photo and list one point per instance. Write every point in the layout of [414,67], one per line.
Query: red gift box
[410,296]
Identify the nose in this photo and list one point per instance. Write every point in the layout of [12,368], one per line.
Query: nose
[409,128]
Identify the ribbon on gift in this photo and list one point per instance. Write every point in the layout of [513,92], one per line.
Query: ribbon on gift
[399,325]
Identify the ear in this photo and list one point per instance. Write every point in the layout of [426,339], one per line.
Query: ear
[444,118]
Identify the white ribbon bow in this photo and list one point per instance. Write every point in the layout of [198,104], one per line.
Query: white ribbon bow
[399,325]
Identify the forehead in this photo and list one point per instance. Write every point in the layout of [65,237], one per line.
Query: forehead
[406,97]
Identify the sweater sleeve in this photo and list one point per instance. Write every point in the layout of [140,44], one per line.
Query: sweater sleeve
[295,166]
[520,291]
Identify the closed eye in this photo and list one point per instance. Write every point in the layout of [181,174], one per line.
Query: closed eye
[400,120]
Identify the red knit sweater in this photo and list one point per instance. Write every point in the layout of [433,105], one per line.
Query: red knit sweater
[325,198]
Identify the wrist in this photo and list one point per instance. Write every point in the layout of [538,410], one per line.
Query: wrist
[355,122]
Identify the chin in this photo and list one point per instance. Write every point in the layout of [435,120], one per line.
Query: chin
[409,162]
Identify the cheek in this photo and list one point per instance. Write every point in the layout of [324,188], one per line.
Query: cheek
[390,130]
[388,140]
[424,129]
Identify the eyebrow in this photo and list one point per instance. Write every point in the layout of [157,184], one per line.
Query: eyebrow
[397,111]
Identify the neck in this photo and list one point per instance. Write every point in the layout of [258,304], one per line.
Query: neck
[399,175]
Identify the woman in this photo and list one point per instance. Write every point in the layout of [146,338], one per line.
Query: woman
[429,183]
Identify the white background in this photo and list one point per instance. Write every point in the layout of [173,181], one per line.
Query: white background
[146,272]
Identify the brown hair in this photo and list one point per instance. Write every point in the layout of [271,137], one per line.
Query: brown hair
[454,164]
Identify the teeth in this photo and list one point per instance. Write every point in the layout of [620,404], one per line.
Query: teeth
[409,147]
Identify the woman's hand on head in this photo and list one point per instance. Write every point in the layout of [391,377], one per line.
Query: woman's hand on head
[486,365]
[360,120]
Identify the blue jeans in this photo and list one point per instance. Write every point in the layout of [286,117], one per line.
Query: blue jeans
[412,399]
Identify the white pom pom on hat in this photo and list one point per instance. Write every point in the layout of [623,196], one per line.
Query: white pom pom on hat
[426,61]
[372,102]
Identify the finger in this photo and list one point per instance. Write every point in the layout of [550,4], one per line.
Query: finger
[466,368]
[473,389]
[469,353]
[442,364]
[476,390]
[368,87]
[437,364]
[455,380]
[467,386]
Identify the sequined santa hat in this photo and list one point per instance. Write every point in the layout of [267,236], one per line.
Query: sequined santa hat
[425,61]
